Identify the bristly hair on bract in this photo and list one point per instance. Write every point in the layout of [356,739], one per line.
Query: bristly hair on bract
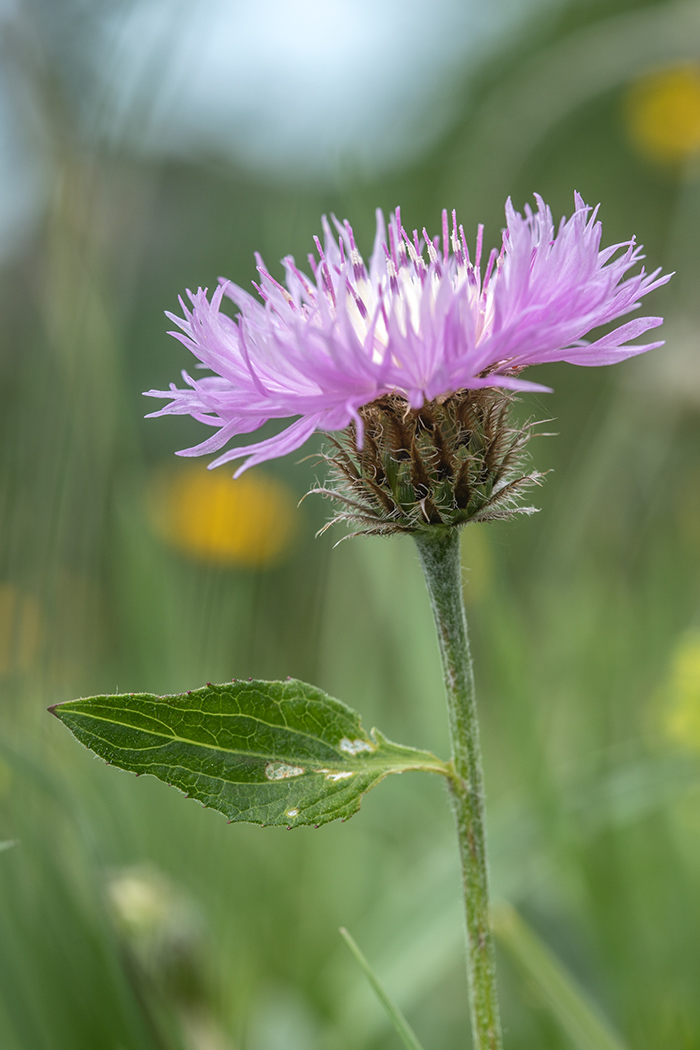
[457,459]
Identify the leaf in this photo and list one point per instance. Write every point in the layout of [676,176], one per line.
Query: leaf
[567,1001]
[400,1024]
[265,752]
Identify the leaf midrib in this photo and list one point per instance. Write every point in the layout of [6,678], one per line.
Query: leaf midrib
[216,747]
[342,763]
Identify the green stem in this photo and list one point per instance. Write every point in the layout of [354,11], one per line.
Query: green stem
[440,557]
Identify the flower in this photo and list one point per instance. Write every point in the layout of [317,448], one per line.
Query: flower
[248,525]
[420,323]
[681,693]
[663,113]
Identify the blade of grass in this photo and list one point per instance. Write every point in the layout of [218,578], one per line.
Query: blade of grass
[567,1001]
[399,1022]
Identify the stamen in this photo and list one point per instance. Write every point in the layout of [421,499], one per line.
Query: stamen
[489,268]
[259,289]
[268,277]
[479,245]
[415,257]
[358,266]
[445,236]
[432,253]
[359,302]
[325,272]
[385,316]
[454,241]
[401,246]
[391,271]
[392,244]
[351,236]
[292,266]
[464,244]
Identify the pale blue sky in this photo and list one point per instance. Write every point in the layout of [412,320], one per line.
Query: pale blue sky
[297,88]
[304,83]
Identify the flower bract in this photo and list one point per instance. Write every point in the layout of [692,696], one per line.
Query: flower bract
[423,320]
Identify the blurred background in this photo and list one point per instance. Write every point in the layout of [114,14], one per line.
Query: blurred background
[149,146]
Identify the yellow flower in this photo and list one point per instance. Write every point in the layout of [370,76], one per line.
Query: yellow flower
[250,522]
[682,692]
[663,113]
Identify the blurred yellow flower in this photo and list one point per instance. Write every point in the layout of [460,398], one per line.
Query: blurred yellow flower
[682,693]
[21,629]
[249,522]
[662,111]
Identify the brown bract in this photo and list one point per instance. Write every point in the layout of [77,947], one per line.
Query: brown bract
[456,460]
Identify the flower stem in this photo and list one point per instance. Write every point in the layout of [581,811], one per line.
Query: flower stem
[440,557]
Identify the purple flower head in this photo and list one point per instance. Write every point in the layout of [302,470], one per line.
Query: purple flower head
[421,322]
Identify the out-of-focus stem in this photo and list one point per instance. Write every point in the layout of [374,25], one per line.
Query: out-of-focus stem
[440,557]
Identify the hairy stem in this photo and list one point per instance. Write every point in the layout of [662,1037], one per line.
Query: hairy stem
[440,558]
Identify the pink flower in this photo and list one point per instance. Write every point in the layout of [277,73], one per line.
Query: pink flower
[420,321]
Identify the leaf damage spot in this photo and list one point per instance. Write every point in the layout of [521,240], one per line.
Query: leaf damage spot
[292,813]
[282,771]
[342,775]
[354,747]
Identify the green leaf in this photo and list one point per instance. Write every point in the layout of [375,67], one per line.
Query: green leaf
[264,752]
[401,1026]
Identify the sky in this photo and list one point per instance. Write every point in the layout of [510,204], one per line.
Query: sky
[293,88]
[305,85]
